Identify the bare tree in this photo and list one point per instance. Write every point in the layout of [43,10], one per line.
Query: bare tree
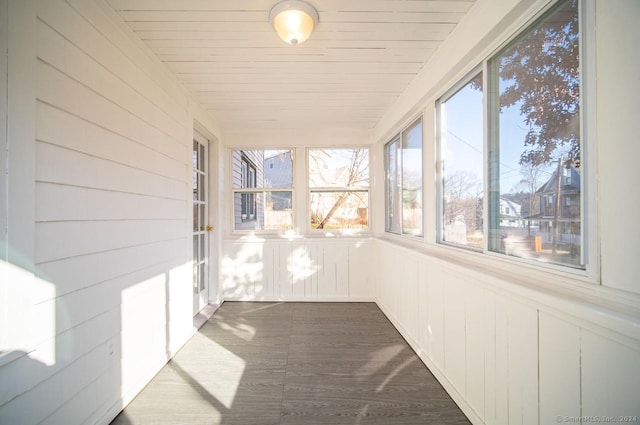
[356,173]
[463,192]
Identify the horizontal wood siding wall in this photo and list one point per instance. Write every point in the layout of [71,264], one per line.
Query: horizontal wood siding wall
[509,355]
[298,270]
[112,152]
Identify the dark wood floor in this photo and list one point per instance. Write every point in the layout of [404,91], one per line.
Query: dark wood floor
[294,363]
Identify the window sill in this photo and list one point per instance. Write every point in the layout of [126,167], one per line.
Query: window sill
[315,236]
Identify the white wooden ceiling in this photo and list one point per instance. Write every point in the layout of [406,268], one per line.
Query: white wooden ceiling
[360,58]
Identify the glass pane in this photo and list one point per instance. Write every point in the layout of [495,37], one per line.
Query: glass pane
[340,210]
[195,155]
[195,249]
[263,211]
[412,180]
[262,168]
[461,147]
[195,278]
[195,172]
[201,186]
[393,187]
[202,278]
[202,252]
[339,167]
[201,157]
[201,217]
[535,211]
[201,267]
[195,218]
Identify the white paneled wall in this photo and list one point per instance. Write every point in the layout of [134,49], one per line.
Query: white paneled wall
[110,272]
[508,356]
[311,270]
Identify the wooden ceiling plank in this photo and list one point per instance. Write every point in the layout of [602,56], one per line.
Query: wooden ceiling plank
[320,5]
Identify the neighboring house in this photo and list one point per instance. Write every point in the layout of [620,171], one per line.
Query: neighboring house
[568,217]
[510,214]
[278,172]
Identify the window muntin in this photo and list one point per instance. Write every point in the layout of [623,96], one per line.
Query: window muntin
[262,189]
[339,188]
[461,141]
[403,182]
[532,119]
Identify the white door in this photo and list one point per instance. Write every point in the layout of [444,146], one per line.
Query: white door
[200,223]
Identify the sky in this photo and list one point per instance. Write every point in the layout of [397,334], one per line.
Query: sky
[463,148]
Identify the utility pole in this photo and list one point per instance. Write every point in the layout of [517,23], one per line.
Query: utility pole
[556,210]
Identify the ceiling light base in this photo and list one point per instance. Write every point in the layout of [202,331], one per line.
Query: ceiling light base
[293,20]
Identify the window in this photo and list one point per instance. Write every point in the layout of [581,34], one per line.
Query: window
[403,169]
[532,160]
[339,188]
[262,189]
[248,180]
[460,143]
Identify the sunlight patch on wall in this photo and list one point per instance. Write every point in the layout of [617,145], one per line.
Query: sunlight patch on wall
[300,265]
[28,318]
[242,270]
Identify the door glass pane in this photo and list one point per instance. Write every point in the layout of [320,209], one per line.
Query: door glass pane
[201,257]
[195,218]
[195,249]
[195,278]
[201,187]
[201,217]
[201,157]
[201,275]
[195,155]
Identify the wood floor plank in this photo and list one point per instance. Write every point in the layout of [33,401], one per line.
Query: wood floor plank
[294,363]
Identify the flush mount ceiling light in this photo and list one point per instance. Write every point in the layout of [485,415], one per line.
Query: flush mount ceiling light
[293,20]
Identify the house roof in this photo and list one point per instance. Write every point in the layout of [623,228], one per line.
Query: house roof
[550,186]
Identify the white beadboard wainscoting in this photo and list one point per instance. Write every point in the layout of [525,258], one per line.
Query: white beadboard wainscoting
[506,351]
[297,270]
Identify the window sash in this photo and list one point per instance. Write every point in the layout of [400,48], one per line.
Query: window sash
[404,196]
[346,209]
[460,193]
[504,218]
[256,206]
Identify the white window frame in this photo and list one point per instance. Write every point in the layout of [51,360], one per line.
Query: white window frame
[367,189]
[441,215]
[589,230]
[259,191]
[398,139]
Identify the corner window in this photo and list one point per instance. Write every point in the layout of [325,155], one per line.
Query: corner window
[339,188]
[533,167]
[262,189]
[403,182]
